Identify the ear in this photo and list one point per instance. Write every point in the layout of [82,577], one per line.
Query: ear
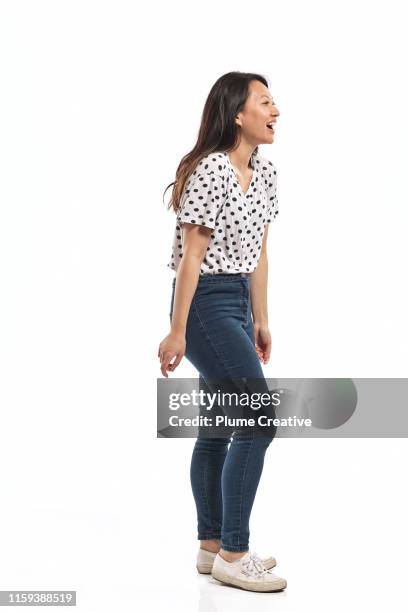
[238,120]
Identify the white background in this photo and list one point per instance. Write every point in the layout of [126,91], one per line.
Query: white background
[99,102]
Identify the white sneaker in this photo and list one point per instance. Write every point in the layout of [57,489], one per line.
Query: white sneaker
[205,561]
[248,573]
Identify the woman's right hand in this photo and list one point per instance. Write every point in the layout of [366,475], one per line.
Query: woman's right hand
[173,345]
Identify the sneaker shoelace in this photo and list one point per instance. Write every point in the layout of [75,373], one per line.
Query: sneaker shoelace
[254,566]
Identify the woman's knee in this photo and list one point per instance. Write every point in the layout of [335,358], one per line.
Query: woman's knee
[212,444]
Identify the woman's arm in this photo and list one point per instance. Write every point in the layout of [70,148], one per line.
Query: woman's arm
[259,302]
[195,243]
[196,239]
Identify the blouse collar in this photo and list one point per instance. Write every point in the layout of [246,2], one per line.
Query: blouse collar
[253,157]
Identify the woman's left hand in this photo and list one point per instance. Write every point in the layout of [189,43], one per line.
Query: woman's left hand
[263,341]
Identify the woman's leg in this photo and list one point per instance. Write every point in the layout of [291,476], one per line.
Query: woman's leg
[220,346]
[207,462]
[240,478]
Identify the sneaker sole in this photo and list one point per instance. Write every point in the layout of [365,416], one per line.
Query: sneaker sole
[204,568]
[249,586]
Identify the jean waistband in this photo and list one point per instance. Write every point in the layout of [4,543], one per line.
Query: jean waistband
[221,277]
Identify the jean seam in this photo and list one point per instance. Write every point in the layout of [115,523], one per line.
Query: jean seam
[242,488]
[204,484]
[248,309]
[208,337]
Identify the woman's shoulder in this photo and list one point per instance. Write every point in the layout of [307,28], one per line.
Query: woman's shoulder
[212,163]
[264,163]
[267,169]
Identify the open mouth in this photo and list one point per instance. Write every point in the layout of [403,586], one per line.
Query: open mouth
[270,126]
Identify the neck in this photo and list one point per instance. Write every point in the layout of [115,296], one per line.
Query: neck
[241,157]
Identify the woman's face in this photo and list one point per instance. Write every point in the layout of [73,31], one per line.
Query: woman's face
[258,112]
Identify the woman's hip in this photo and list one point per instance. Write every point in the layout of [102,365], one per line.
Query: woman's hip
[219,299]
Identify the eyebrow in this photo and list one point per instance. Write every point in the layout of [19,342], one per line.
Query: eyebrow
[265,96]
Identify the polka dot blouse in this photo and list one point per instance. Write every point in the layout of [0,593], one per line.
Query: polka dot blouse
[213,197]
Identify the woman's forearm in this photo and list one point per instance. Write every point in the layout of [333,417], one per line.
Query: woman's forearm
[186,283]
[259,290]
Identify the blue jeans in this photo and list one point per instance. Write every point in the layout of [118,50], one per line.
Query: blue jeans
[225,472]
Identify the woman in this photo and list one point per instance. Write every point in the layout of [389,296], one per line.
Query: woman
[225,198]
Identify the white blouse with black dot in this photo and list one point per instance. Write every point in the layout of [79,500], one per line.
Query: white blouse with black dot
[213,197]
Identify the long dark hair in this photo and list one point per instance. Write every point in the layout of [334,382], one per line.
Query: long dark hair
[218,130]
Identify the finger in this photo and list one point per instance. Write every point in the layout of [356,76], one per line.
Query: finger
[162,363]
[174,365]
[164,356]
[268,351]
[163,370]
[261,353]
[165,364]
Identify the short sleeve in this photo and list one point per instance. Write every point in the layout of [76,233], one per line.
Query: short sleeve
[272,209]
[202,199]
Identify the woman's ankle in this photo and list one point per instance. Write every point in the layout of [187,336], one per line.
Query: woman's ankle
[211,545]
[227,555]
